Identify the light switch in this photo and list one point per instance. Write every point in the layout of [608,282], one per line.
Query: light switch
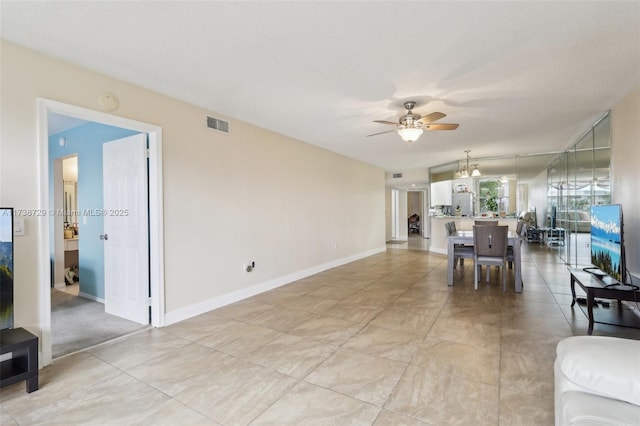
[18,226]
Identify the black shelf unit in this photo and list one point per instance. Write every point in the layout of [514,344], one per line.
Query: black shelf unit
[597,288]
[23,364]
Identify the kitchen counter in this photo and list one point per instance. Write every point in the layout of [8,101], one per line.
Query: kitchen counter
[438,240]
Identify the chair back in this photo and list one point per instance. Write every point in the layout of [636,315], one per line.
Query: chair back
[485,223]
[450,227]
[519,227]
[491,240]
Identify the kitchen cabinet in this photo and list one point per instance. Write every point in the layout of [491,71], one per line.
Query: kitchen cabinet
[441,194]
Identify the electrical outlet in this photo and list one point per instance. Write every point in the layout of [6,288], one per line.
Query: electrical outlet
[249,266]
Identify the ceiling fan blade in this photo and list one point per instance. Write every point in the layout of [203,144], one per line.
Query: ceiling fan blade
[441,126]
[385,122]
[430,118]
[381,133]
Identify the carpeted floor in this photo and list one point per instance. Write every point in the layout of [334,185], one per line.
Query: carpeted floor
[78,323]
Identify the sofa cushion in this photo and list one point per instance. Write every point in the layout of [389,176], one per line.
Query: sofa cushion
[606,366]
[585,409]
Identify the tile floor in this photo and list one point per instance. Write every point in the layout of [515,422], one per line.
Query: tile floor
[73,289]
[381,341]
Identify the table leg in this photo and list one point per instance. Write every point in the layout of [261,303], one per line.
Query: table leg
[32,362]
[32,384]
[517,257]
[573,290]
[450,261]
[590,301]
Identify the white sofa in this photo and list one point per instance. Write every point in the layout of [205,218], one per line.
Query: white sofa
[597,381]
[575,221]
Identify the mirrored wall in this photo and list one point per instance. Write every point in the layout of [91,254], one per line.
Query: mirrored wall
[578,179]
[558,187]
[493,192]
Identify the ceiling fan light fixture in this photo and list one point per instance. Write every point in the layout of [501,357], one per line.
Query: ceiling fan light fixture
[410,134]
[410,126]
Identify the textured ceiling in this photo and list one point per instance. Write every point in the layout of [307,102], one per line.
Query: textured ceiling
[519,77]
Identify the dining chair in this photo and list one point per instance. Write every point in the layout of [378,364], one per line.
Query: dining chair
[485,223]
[521,230]
[490,249]
[460,251]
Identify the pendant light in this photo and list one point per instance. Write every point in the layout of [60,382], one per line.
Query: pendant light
[465,172]
[457,174]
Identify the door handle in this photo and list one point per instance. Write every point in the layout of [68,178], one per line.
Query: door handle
[104,237]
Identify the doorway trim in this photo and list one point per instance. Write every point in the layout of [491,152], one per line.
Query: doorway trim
[395,205]
[156,220]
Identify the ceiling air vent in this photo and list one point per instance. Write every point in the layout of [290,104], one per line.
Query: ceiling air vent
[217,124]
[397,175]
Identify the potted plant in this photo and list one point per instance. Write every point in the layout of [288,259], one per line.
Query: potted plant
[492,204]
[458,211]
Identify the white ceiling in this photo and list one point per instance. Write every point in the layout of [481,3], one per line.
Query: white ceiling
[59,123]
[519,77]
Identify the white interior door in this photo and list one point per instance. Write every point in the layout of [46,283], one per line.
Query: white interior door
[126,232]
[395,229]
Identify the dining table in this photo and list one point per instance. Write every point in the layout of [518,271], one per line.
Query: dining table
[466,238]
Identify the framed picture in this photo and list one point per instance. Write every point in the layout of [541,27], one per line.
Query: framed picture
[6,267]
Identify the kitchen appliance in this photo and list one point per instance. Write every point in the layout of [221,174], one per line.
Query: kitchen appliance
[464,200]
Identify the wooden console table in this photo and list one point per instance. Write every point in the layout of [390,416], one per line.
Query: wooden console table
[595,287]
[23,364]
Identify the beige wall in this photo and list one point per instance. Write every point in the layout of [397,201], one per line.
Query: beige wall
[387,208]
[625,160]
[252,195]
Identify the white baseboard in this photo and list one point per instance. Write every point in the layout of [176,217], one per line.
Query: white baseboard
[235,296]
[437,250]
[91,297]
[60,285]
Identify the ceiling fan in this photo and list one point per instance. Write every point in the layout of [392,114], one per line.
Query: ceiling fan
[411,125]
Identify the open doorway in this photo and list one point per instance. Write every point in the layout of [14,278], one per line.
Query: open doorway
[417,222]
[80,304]
[70,255]
[154,285]
[415,211]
